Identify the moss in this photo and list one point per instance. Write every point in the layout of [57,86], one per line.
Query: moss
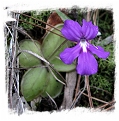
[43,15]
[102,83]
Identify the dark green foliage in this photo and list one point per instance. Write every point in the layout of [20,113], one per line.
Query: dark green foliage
[105,22]
[32,29]
[43,15]
[102,83]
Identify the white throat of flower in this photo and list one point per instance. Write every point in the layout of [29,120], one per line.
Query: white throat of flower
[84,45]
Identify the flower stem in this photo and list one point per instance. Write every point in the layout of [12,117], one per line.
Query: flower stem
[77,87]
[88,90]
[80,92]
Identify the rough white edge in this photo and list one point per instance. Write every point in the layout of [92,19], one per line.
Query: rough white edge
[75,114]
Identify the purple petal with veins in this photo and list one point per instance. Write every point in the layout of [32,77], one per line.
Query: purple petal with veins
[99,51]
[84,51]
[71,33]
[70,54]
[87,64]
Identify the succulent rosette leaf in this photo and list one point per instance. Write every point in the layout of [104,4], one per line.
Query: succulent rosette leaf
[26,59]
[37,81]
[49,49]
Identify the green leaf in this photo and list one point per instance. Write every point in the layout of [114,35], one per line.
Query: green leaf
[54,87]
[25,59]
[60,66]
[52,46]
[37,81]
[62,15]
[52,41]
[34,83]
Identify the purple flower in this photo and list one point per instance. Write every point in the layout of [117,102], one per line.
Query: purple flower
[73,31]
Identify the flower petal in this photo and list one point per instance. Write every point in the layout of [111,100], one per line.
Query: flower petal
[87,64]
[84,26]
[71,30]
[89,30]
[99,51]
[70,54]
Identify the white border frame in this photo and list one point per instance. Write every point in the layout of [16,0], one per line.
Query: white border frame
[77,113]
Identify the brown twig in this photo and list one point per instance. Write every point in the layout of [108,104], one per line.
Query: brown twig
[106,103]
[78,96]
[103,106]
[100,89]
[23,32]
[37,20]
[77,86]
[40,27]
[88,90]
[110,108]
[95,98]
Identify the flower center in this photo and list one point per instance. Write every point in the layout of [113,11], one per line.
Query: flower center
[83,44]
